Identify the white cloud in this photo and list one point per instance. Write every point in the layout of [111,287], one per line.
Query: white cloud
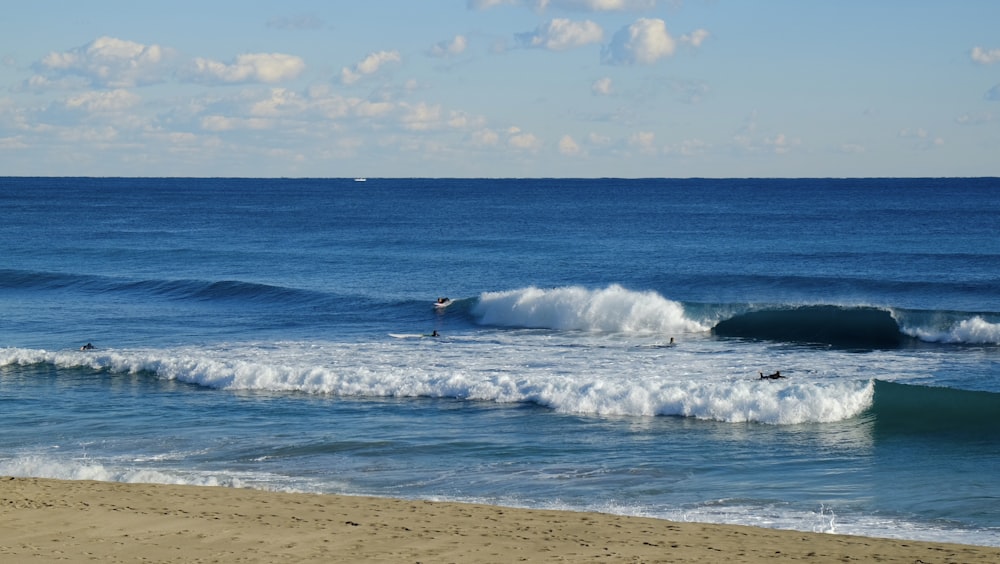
[748,139]
[522,141]
[456,46]
[117,63]
[319,110]
[109,101]
[975,119]
[421,117]
[462,120]
[780,143]
[645,41]
[216,123]
[369,65]
[39,83]
[100,136]
[487,4]
[485,138]
[601,86]
[644,141]
[560,34]
[13,143]
[568,146]
[280,100]
[367,109]
[110,62]
[688,148]
[918,133]
[581,5]
[984,56]
[249,67]
[923,138]
[602,5]
[598,139]
[323,102]
[695,38]
[225,123]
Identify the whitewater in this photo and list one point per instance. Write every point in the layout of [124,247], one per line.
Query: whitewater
[603,350]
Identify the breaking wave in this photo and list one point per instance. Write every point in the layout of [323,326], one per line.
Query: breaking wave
[620,310]
[420,371]
[611,309]
[860,327]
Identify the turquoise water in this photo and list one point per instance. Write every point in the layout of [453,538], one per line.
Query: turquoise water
[243,337]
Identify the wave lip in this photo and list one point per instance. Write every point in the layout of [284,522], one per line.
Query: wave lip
[573,308]
[858,327]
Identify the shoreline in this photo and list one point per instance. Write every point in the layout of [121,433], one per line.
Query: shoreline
[47,520]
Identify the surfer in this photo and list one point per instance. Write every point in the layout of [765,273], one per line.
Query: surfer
[775,376]
[435,333]
[443,300]
[87,347]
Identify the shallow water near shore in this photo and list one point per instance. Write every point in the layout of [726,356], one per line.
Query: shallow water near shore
[242,337]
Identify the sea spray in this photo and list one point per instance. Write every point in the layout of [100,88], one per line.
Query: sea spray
[611,309]
[974,330]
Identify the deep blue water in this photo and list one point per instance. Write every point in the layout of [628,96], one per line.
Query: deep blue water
[268,333]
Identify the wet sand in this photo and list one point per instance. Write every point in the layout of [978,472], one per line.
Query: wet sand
[82,521]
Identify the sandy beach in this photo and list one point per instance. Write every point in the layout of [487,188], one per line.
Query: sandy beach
[82,521]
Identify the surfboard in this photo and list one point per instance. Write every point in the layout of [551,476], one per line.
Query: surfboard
[412,335]
[441,305]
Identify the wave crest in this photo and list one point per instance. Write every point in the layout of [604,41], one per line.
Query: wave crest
[975,331]
[611,309]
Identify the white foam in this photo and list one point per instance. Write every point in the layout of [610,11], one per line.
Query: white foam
[825,520]
[601,376]
[611,309]
[46,467]
[769,516]
[975,330]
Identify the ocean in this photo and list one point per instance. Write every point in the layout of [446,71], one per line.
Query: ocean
[602,349]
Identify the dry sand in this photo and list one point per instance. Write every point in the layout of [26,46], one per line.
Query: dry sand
[81,521]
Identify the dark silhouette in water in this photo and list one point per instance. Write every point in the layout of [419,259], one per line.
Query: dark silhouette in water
[775,376]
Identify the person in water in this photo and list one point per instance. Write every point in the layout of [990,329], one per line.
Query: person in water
[443,300]
[87,347]
[775,376]
[435,333]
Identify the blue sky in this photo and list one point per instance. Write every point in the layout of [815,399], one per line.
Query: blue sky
[500,88]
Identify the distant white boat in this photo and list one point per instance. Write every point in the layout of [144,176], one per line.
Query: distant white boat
[361,179]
